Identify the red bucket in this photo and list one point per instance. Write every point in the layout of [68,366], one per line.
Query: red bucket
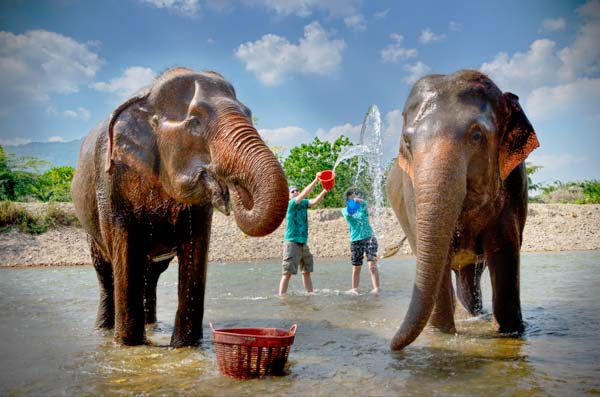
[327,179]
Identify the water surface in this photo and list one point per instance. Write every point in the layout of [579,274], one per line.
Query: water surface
[342,345]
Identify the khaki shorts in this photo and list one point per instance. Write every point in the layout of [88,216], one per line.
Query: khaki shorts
[296,255]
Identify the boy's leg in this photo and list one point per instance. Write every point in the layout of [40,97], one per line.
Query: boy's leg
[307,268]
[372,262]
[307,281]
[355,276]
[357,250]
[374,276]
[291,257]
[283,284]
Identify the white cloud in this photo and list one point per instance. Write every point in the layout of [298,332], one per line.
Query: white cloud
[356,22]
[133,79]
[583,56]
[552,24]
[524,71]
[416,70]
[578,99]
[189,8]
[286,137]
[56,138]
[348,10]
[348,130]
[555,82]
[292,136]
[455,26]
[14,141]
[39,63]
[79,113]
[394,52]
[427,36]
[273,58]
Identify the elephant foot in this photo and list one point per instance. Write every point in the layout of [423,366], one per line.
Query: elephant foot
[513,328]
[105,323]
[445,329]
[131,341]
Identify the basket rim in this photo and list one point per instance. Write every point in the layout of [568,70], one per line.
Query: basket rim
[244,331]
[238,337]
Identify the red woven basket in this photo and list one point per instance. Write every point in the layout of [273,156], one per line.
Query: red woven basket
[252,352]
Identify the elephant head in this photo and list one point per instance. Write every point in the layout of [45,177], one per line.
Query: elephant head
[190,133]
[461,140]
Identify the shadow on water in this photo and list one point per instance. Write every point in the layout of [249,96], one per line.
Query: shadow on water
[341,346]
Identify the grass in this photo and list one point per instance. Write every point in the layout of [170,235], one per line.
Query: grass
[13,215]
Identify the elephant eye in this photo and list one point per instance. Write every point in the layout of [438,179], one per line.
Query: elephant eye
[476,135]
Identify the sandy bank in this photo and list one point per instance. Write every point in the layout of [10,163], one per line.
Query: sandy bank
[550,227]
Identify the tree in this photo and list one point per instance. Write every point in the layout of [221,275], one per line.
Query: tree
[531,169]
[55,184]
[7,178]
[304,161]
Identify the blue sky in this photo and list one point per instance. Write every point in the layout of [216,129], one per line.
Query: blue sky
[306,68]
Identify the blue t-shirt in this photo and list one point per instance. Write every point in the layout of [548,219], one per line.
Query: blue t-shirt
[360,228]
[297,221]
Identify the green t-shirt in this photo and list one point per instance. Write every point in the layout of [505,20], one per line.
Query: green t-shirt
[297,221]
[359,223]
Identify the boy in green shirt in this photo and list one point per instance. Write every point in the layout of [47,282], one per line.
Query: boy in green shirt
[363,241]
[295,248]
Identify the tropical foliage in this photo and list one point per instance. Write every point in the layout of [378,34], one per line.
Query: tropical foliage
[307,159]
[22,179]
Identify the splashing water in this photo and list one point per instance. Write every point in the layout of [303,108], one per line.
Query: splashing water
[370,155]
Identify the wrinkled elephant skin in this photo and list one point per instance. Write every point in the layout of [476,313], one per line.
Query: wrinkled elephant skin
[146,183]
[459,190]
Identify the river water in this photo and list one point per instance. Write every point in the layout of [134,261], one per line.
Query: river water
[48,346]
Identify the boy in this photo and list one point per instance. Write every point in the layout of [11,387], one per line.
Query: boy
[295,249]
[363,241]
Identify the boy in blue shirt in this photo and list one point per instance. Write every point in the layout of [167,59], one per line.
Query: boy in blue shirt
[295,248]
[363,241]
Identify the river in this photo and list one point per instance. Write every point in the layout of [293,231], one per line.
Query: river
[49,346]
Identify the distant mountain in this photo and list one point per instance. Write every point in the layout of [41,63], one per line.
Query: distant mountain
[57,153]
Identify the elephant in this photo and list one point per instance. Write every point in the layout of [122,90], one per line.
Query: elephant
[459,191]
[146,182]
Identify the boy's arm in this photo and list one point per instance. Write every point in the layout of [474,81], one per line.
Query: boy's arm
[317,199]
[306,191]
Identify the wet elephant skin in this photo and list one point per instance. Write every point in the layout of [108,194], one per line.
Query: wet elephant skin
[459,190]
[146,183]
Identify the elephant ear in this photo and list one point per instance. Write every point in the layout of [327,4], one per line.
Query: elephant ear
[114,116]
[519,138]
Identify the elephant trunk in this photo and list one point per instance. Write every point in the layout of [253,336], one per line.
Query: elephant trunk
[440,189]
[255,179]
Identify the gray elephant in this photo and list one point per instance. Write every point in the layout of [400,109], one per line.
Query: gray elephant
[459,190]
[144,190]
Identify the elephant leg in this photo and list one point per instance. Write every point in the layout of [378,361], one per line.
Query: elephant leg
[129,261]
[105,318]
[503,260]
[151,275]
[193,234]
[442,317]
[468,286]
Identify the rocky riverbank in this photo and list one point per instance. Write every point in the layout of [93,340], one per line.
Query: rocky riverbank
[550,227]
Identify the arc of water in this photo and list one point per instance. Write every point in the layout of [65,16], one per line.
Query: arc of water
[370,154]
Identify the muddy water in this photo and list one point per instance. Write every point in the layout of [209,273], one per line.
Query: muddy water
[48,346]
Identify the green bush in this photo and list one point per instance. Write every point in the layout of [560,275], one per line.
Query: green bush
[585,192]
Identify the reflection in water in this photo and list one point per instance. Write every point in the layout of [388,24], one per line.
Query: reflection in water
[341,347]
